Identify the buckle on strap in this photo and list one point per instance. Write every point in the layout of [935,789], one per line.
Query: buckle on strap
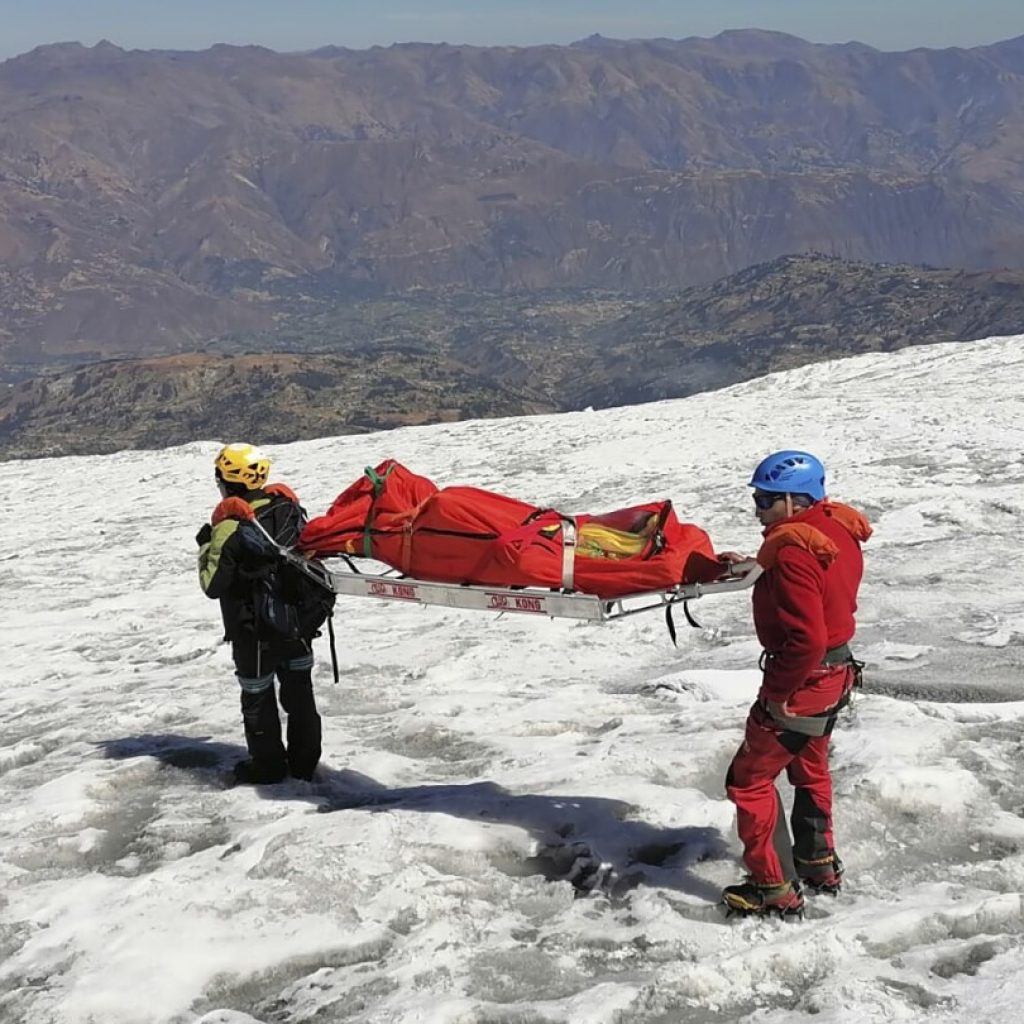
[568,551]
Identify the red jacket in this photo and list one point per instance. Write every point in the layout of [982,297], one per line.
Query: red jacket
[804,604]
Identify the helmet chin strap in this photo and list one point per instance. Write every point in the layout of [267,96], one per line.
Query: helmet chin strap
[789,505]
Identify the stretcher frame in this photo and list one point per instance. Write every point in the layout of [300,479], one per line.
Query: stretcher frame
[392,586]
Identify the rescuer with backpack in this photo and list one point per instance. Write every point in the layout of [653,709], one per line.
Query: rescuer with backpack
[271,613]
[803,606]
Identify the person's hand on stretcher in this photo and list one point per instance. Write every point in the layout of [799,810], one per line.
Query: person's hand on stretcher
[735,564]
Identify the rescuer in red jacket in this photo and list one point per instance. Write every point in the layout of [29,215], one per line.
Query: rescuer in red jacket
[803,605]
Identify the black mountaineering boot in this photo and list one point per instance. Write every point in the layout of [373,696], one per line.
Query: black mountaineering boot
[821,875]
[253,773]
[751,898]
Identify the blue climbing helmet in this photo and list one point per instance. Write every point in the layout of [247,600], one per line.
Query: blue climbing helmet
[790,472]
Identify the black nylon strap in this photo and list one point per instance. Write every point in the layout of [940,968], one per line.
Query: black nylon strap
[841,655]
[334,651]
[670,622]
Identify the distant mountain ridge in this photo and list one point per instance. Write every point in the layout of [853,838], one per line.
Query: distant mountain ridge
[150,201]
[419,363]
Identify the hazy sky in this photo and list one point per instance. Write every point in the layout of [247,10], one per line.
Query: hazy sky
[305,24]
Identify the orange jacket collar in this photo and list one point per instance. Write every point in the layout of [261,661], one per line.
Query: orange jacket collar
[795,531]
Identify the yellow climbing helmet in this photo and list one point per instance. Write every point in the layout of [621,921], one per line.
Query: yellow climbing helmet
[242,464]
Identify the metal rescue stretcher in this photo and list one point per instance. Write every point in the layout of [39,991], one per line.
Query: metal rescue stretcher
[391,585]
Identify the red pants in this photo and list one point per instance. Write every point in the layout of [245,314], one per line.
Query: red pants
[750,785]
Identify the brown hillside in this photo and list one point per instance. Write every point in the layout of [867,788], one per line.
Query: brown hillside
[152,200]
[471,356]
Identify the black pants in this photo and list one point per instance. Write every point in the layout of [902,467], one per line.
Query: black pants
[291,661]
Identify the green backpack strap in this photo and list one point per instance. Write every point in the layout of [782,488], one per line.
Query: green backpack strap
[378,480]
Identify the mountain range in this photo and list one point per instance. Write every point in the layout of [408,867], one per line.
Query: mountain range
[153,200]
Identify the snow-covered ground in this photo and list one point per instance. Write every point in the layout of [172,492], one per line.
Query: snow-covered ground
[471,762]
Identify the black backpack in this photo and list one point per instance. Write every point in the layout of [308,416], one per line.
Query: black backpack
[292,595]
[297,598]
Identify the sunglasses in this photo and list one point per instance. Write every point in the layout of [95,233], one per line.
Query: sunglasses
[764,500]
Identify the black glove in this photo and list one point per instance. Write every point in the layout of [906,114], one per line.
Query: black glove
[204,534]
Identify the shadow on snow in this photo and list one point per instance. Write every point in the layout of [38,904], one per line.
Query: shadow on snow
[591,842]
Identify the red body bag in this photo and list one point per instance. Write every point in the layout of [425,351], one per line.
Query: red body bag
[467,535]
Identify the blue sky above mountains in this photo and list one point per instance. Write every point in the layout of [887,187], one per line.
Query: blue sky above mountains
[306,24]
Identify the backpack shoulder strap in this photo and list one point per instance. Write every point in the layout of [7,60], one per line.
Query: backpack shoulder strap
[282,517]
